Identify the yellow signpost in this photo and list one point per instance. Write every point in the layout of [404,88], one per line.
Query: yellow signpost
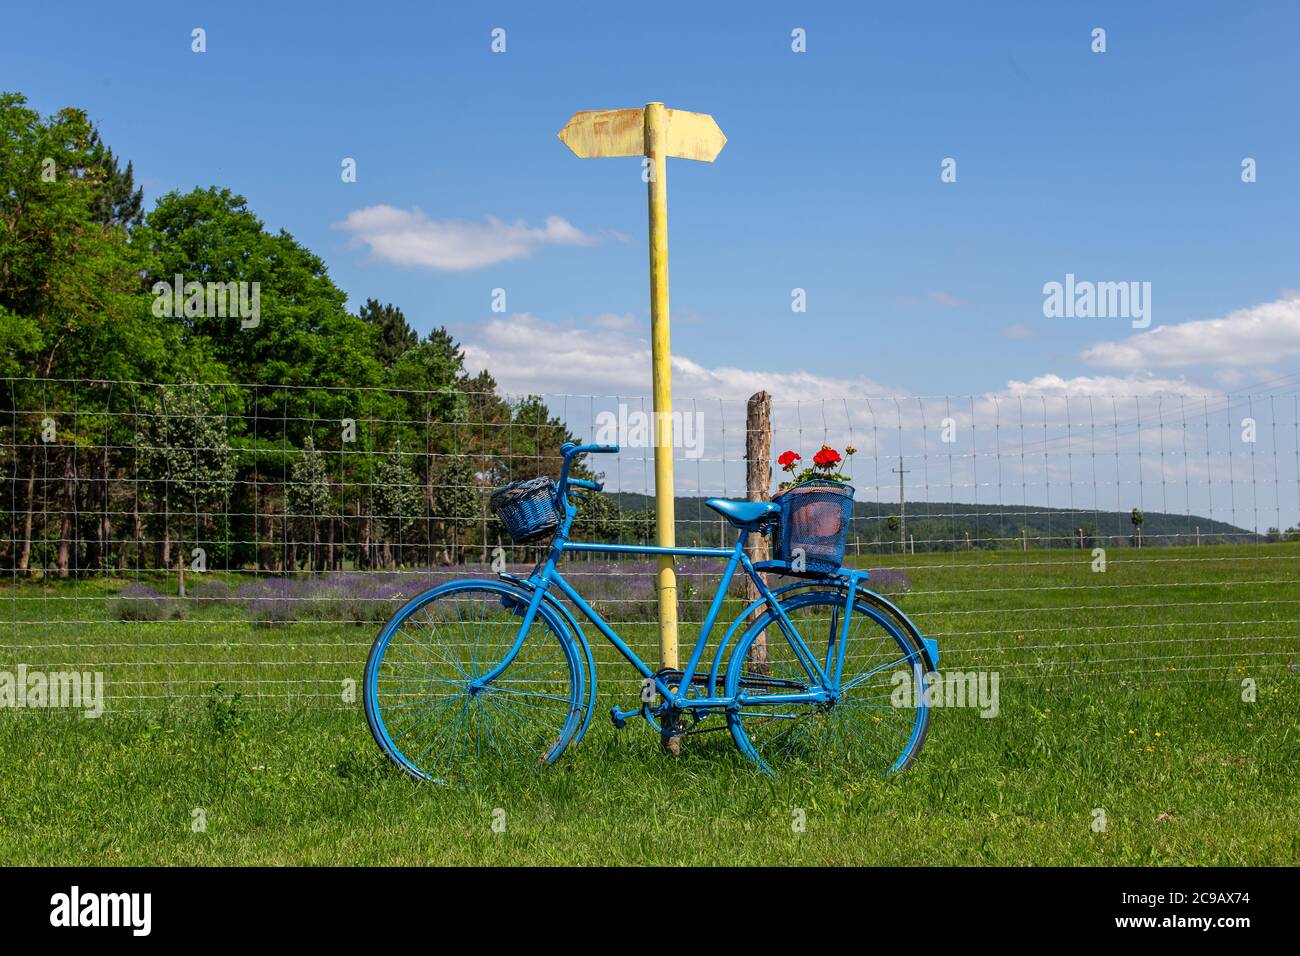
[655,133]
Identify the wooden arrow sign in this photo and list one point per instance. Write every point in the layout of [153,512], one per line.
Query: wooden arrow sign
[656,133]
[596,133]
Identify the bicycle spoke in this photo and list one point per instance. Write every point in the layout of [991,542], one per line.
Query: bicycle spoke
[860,724]
[437,720]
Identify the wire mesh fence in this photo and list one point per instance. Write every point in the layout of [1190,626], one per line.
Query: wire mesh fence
[181,538]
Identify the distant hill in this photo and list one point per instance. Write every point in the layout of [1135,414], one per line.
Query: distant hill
[957,526]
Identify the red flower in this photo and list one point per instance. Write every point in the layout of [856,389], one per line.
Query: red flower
[787,460]
[826,458]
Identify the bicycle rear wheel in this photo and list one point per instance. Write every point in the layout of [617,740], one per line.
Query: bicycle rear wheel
[425,700]
[868,724]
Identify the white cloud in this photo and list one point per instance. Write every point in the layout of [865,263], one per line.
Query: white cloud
[1233,378]
[1038,439]
[614,321]
[1056,400]
[1101,386]
[526,354]
[1258,335]
[410,238]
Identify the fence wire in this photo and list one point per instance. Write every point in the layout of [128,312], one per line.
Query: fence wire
[179,538]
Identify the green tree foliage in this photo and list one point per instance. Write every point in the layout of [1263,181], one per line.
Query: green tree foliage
[86,310]
[309,493]
[398,504]
[393,336]
[183,441]
[185,459]
[70,289]
[457,502]
[309,499]
[118,202]
[598,519]
[304,334]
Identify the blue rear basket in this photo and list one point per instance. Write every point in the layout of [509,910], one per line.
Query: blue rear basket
[527,508]
[815,518]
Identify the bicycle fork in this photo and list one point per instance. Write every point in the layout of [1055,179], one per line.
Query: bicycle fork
[534,608]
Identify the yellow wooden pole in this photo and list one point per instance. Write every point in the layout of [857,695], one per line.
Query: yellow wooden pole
[656,133]
[662,388]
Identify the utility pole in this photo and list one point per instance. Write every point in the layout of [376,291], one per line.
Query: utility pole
[902,506]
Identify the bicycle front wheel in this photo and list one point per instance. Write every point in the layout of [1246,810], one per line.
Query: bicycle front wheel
[427,705]
[866,723]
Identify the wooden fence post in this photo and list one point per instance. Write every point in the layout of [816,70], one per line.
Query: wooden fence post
[758,481]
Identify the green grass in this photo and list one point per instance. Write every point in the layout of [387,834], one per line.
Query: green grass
[1136,711]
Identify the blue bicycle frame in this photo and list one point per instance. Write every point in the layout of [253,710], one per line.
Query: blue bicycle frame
[824,675]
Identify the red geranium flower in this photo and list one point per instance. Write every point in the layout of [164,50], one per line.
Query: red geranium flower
[787,460]
[826,458]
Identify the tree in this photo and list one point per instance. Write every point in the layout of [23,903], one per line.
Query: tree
[71,309]
[393,336]
[118,202]
[309,501]
[302,335]
[458,504]
[397,503]
[70,286]
[185,457]
[426,378]
[598,519]
[1136,517]
[638,527]
[83,321]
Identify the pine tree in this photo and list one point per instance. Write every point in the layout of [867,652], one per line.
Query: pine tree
[117,202]
[393,334]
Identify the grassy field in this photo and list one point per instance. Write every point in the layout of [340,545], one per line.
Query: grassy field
[1121,695]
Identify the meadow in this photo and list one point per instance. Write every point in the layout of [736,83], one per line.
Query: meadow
[1147,716]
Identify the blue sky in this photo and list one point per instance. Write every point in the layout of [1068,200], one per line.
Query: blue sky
[1115,166]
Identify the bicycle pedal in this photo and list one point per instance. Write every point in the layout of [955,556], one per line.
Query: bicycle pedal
[620,716]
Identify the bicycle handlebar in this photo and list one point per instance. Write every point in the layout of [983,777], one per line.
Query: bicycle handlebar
[571,449]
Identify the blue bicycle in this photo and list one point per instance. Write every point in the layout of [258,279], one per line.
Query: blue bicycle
[475,671]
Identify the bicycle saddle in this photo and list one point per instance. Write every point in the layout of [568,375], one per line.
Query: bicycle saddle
[743,514]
